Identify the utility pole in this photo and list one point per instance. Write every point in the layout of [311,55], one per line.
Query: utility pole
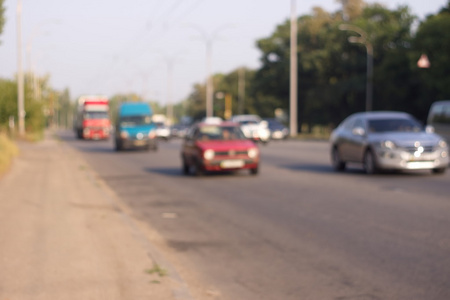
[293,76]
[169,90]
[209,39]
[241,90]
[20,81]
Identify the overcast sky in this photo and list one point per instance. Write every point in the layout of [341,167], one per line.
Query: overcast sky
[108,46]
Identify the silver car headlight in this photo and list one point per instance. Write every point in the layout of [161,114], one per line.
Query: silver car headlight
[442,144]
[208,154]
[252,152]
[388,145]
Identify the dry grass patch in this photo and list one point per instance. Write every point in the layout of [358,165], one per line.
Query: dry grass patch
[8,150]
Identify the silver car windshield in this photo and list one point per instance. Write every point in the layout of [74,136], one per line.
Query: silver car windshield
[394,125]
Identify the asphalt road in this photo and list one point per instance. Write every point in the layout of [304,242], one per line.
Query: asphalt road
[298,230]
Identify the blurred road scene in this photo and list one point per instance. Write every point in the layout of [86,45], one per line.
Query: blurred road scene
[237,150]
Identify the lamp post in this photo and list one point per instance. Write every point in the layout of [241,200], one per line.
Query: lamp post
[20,79]
[293,90]
[363,39]
[208,39]
[170,62]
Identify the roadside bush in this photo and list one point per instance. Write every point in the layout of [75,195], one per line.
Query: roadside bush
[8,150]
[34,118]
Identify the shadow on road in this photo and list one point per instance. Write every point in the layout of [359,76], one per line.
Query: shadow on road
[177,172]
[316,168]
[353,170]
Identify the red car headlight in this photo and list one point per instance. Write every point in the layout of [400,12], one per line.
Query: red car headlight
[252,152]
[208,154]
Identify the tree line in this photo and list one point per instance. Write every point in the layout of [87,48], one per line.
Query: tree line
[331,72]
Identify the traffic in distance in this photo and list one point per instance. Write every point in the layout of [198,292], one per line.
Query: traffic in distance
[378,141]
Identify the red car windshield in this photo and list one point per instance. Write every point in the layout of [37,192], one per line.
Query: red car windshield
[224,133]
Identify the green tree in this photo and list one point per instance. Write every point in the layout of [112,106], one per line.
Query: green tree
[433,39]
[2,16]
[196,102]
[66,110]
[8,102]
[332,71]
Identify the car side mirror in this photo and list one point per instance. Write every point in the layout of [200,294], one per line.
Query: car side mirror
[359,131]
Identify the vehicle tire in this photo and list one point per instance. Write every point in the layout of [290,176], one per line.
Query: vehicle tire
[198,171]
[118,146]
[185,167]
[338,164]
[439,170]
[254,171]
[370,164]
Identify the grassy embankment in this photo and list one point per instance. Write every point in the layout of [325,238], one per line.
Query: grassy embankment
[8,150]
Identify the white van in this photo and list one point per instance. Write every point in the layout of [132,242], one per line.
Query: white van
[439,119]
[253,127]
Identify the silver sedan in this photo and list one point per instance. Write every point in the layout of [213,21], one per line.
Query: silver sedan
[387,141]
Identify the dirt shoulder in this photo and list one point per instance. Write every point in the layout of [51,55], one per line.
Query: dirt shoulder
[63,237]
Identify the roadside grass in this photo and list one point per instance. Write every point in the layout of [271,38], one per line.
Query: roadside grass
[318,133]
[8,150]
[35,136]
[158,271]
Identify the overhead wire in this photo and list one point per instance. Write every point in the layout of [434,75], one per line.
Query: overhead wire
[149,29]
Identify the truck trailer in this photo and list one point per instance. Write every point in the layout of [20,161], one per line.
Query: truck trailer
[92,120]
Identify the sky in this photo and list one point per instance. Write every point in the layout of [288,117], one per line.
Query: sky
[154,48]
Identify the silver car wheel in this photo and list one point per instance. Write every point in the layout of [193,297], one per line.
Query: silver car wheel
[338,164]
[369,163]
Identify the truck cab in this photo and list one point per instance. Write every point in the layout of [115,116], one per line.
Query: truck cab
[92,120]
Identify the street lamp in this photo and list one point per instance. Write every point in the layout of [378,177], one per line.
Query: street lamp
[170,60]
[293,84]
[363,39]
[20,79]
[208,39]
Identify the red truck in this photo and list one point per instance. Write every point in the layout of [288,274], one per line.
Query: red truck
[92,119]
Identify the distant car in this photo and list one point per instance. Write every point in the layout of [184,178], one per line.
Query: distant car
[134,127]
[179,130]
[277,130]
[253,127]
[162,131]
[212,120]
[387,141]
[439,119]
[218,147]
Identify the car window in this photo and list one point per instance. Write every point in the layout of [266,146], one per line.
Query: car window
[347,124]
[248,122]
[444,116]
[210,132]
[95,115]
[135,120]
[394,125]
[358,123]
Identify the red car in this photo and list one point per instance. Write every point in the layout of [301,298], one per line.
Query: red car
[218,147]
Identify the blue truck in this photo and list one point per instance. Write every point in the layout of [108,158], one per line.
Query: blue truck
[134,127]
